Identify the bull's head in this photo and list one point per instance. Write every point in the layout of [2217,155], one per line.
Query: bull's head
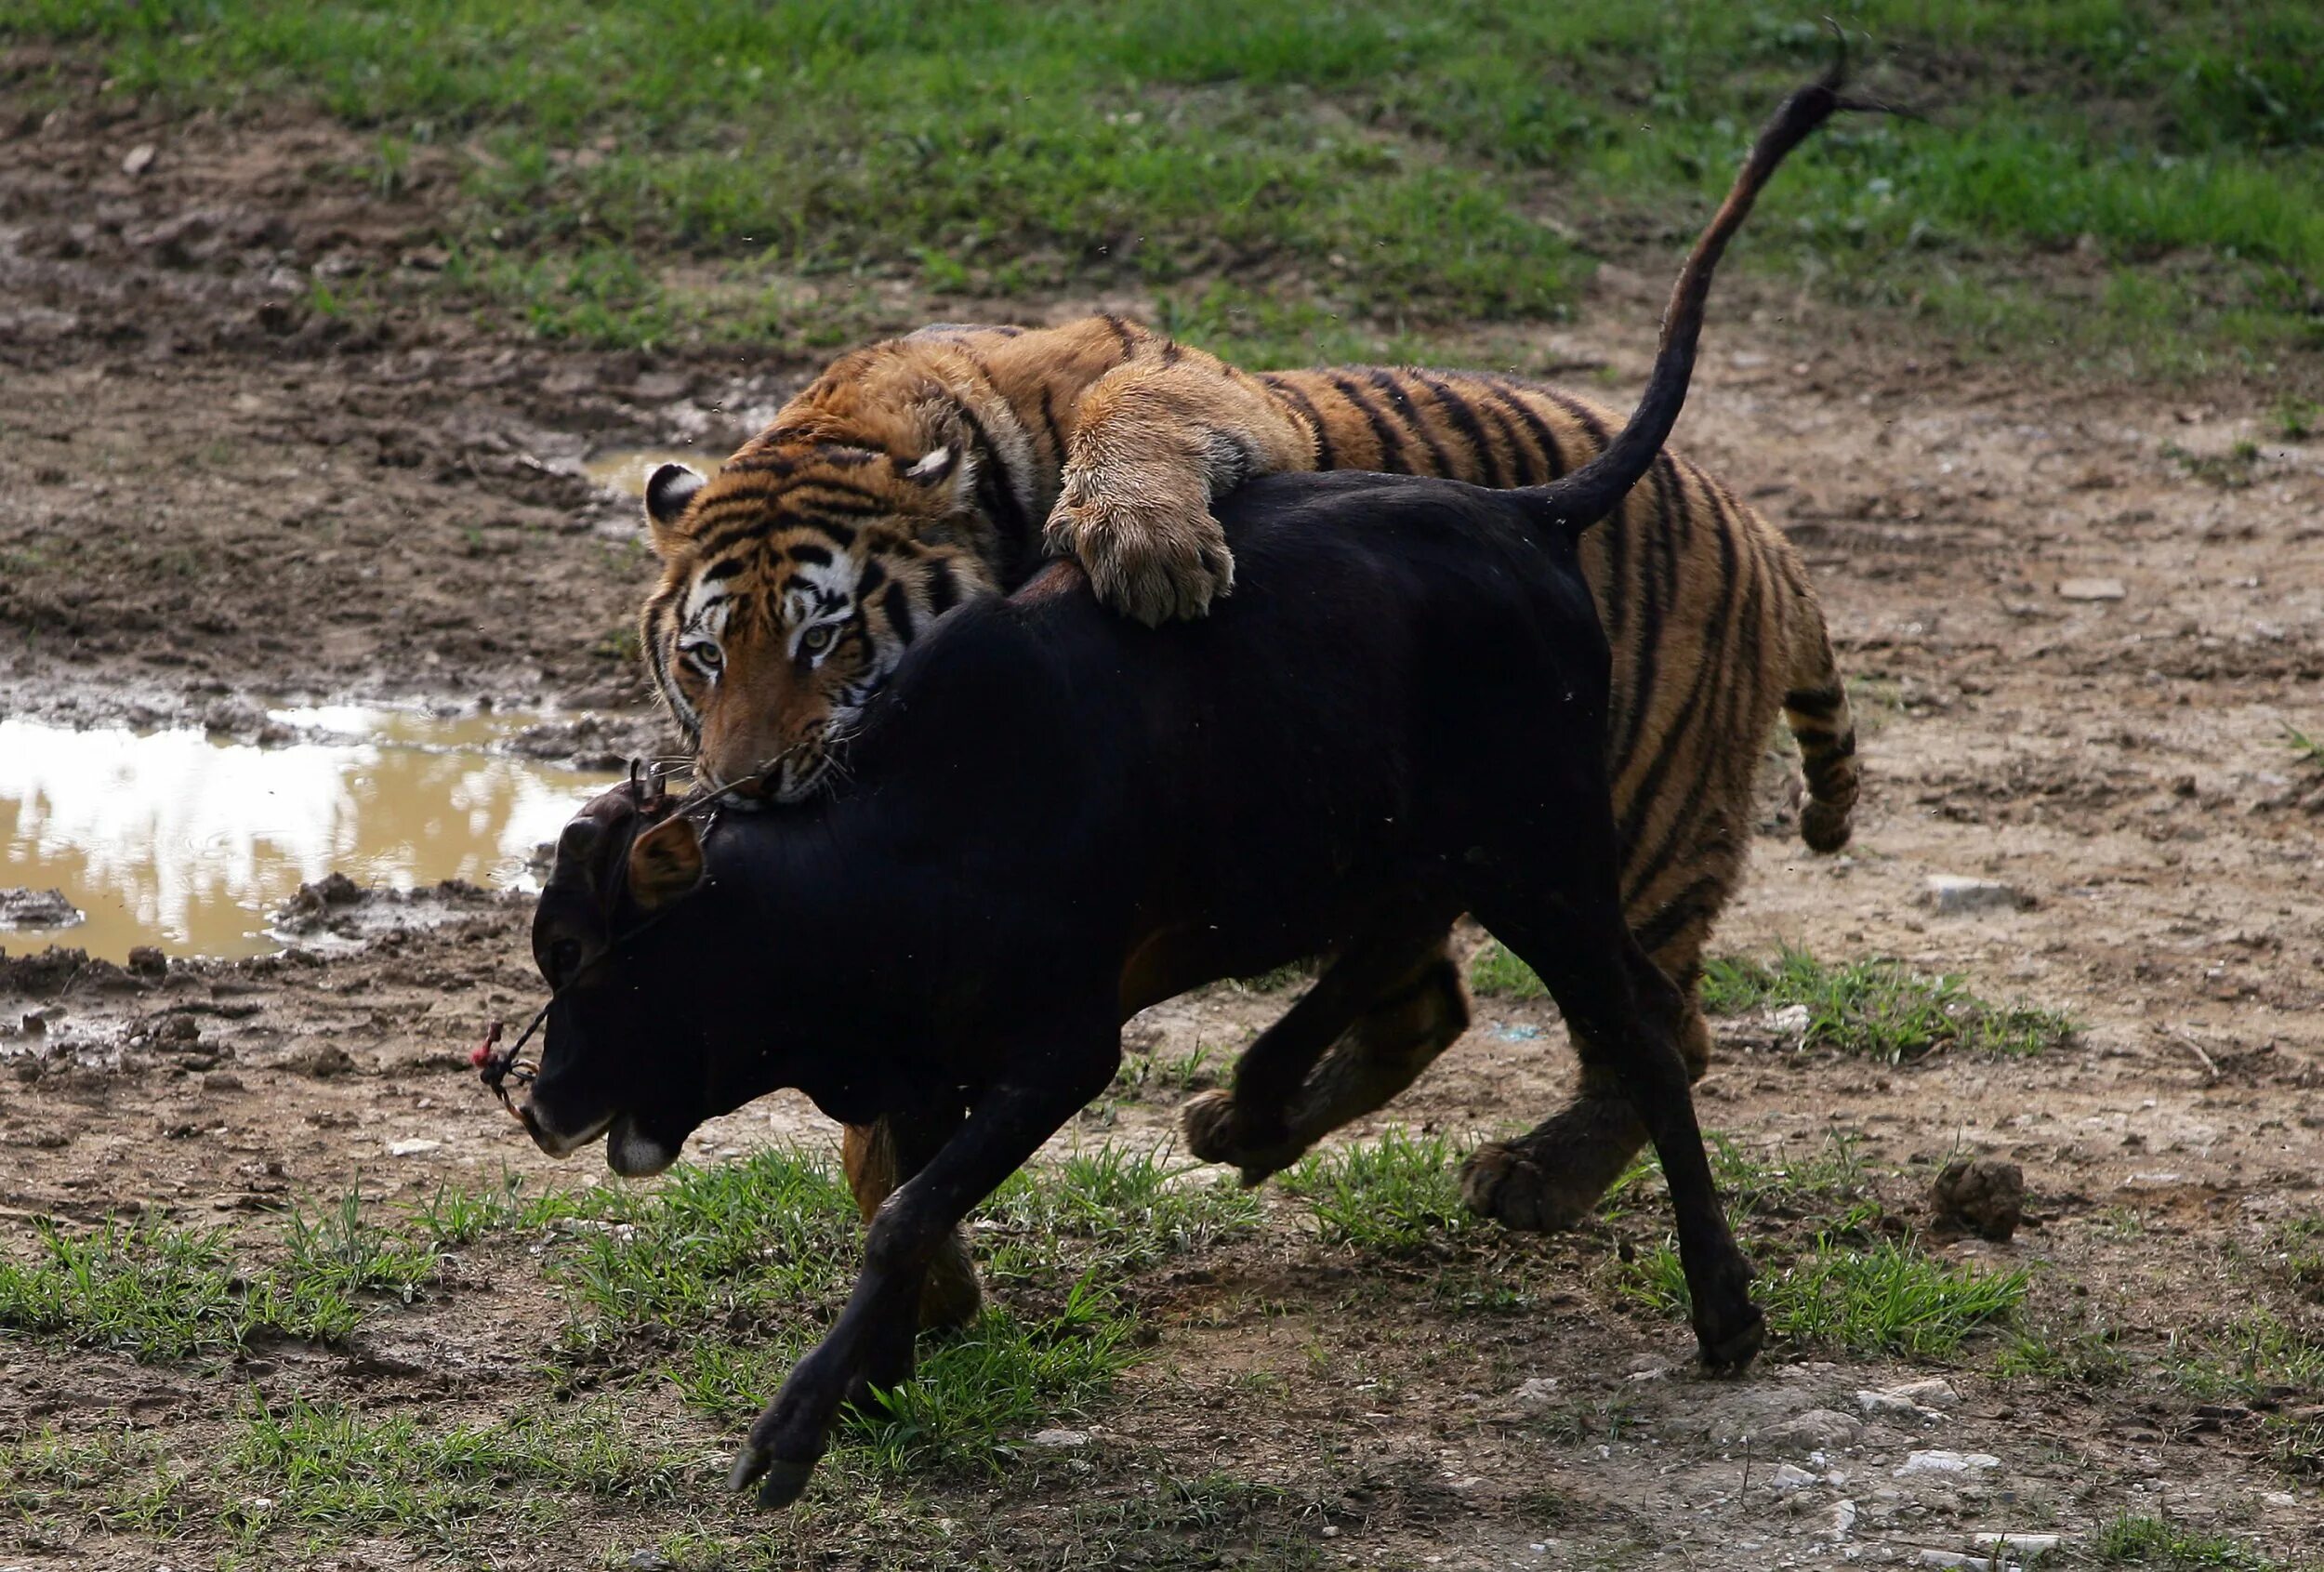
[624,1057]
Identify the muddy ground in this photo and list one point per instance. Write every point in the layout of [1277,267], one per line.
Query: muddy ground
[210,490]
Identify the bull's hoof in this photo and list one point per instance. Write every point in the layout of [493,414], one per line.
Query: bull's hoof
[780,1481]
[1218,1130]
[1512,1185]
[784,1482]
[1729,1351]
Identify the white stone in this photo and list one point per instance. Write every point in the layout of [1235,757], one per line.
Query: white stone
[1948,1462]
[140,160]
[1844,1518]
[2281,1499]
[2091,590]
[1791,1020]
[413,1147]
[1538,1393]
[1817,1430]
[1934,1392]
[1789,1477]
[1951,895]
[1888,1406]
[1061,1438]
[2025,1547]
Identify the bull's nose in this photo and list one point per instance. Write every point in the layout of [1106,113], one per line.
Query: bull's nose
[553,1142]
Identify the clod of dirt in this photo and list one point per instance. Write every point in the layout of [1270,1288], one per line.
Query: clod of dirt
[54,970]
[331,890]
[36,908]
[1986,1196]
[322,1064]
[147,961]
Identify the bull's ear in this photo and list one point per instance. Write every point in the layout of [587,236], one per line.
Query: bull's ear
[668,491]
[666,862]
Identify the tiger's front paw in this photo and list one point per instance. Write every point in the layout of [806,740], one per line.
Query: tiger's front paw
[1145,559]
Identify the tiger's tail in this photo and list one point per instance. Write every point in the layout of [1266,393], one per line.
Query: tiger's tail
[1816,708]
[1574,503]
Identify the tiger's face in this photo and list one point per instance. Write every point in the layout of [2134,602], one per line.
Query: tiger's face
[792,582]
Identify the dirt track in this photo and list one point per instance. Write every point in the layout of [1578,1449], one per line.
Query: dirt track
[207,489]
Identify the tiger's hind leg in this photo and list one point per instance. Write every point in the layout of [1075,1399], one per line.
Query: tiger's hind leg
[1392,1010]
[950,1294]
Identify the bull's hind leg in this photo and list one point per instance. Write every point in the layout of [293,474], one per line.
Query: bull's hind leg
[1588,1144]
[1614,996]
[1379,1016]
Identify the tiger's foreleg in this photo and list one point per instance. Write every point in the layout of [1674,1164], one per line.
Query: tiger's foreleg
[1154,441]
[950,1294]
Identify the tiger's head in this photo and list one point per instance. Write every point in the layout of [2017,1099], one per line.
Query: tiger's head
[792,581]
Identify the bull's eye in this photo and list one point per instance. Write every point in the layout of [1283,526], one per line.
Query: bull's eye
[818,639]
[703,655]
[564,959]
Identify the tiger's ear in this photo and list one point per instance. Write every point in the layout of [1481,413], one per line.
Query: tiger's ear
[948,467]
[668,491]
[665,862]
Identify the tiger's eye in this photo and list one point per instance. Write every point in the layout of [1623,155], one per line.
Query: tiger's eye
[818,639]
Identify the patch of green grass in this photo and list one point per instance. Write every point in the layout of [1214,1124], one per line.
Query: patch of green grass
[1495,974]
[2133,1540]
[2246,1357]
[323,1468]
[156,1291]
[2306,748]
[334,1251]
[2295,418]
[118,1480]
[1880,1009]
[1844,1291]
[1396,1195]
[1113,1209]
[1848,1286]
[1388,164]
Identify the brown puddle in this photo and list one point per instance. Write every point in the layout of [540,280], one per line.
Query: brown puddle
[175,840]
[624,470]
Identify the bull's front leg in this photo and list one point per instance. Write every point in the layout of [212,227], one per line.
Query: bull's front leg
[873,1337]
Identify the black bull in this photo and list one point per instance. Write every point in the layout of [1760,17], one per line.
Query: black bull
[1064,817]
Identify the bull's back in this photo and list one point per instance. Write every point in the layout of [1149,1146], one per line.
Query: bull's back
[1701,601]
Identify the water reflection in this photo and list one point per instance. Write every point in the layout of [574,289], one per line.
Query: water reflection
[175,839]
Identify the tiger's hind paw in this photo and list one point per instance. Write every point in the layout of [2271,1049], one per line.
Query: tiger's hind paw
[1219,1131]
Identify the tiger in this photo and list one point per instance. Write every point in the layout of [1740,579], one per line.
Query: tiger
[922,471]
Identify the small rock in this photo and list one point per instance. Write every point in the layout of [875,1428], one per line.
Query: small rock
[1934,1392]
[1950,1558]
[1538,1395]
[1789,1477]
[1947,1463]
[2022,1547]
[140,159]
[648,1561]
[321,1063]
[1888,1406]
[36,908]
[2091,590]
[1986,1196]
[1817,1430]
[413,1147]
[179,1030]
[2279,1498]
[1063,1439]
[1844,1518]
[1951,895]
[1792,1020]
